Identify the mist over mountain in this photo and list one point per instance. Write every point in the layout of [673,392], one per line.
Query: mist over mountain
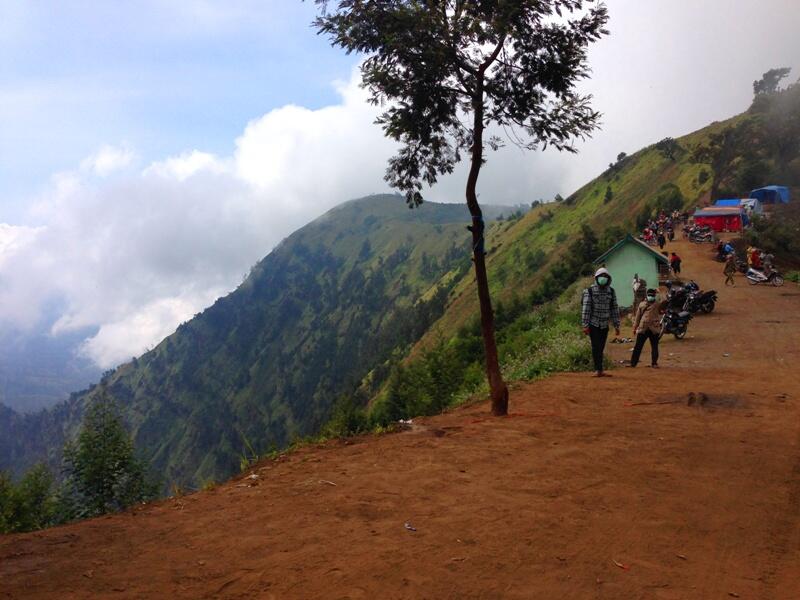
[39,369]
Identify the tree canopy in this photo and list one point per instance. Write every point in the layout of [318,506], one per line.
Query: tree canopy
[447,69]
[102,472]
[769,82]
[433,63]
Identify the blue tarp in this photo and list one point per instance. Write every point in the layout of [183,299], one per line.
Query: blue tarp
[772,194]
[728,202]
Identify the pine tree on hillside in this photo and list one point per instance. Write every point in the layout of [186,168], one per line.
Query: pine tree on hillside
[447,70]
[29,504]
[102,473]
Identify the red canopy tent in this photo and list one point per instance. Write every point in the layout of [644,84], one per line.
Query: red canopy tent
[720,218]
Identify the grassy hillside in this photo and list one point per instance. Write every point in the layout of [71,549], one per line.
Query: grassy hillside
[759,147]
[264,364]
[373,301]
[535,263]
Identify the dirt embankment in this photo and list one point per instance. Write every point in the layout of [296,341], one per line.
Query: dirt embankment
[615,488]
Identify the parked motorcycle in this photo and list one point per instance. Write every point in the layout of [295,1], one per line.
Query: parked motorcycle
[755,276]
[703,302]
[697,237]
[677,295]
[675,322]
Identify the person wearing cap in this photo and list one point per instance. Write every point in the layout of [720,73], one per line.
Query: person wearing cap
[647,326]
[598,308]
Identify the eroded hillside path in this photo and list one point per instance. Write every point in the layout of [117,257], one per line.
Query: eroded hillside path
[591,489]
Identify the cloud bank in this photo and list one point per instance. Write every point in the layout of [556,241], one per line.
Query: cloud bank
[133,250]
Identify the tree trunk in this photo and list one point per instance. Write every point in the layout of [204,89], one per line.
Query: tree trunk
[499,390]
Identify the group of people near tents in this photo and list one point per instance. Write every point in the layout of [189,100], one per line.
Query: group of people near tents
[757,258]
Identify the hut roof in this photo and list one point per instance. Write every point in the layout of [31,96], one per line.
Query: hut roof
[629,239]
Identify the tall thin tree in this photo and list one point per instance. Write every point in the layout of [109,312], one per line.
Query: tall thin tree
[447,69]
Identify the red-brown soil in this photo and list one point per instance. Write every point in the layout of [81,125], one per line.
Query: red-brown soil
[612,488]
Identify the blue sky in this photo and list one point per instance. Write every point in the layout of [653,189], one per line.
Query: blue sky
[159,76]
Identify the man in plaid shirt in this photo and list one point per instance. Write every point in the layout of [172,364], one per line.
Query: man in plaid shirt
[598,307]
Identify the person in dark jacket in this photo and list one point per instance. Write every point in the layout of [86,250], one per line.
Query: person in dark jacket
[599,308]
[647,326]
[662,241]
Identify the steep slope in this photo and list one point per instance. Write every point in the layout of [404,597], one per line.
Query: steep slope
[334,309]
[264,364]
[727,158]
[536,262]
[614,489]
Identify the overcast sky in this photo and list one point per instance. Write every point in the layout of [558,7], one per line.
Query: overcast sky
[151,151]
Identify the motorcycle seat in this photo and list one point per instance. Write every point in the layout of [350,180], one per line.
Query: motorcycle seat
[683,314]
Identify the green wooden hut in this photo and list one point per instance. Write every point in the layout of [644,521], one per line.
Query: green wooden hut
[629,257]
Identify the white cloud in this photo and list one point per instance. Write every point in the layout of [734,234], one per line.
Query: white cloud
[140,328]
[134,254]
[107,160]
[185,165]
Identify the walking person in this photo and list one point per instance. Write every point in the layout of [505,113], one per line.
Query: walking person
[730,269]
[675,263]
[647,326]
[662,241]
[598,308]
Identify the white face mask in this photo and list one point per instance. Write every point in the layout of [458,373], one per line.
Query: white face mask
[602,280]
[651,298]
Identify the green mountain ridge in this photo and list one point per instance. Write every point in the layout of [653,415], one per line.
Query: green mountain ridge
[371,285]
[264,364]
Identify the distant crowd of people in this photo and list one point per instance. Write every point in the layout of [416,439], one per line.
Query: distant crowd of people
[657,231]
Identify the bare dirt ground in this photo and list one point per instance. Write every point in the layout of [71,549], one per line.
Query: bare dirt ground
[614,488]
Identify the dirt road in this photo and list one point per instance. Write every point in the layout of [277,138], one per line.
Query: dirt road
[613,488]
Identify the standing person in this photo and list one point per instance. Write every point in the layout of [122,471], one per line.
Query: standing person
[675,263]
[639,289]
[730,269]
[661,239]
[598,307]
[755,259]
[647,326]
[720,250]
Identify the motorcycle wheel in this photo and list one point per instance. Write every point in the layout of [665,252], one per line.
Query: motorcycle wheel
[707,307]
[679,334]
[777,281]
